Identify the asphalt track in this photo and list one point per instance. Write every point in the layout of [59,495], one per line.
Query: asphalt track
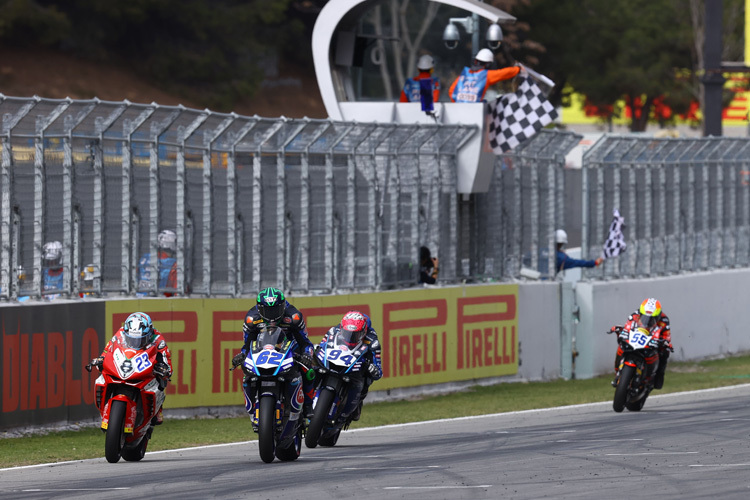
[686,446]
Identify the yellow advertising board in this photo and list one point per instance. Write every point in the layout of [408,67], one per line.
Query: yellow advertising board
[428,336]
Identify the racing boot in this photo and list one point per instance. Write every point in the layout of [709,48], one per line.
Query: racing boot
[659,376]
[357,411]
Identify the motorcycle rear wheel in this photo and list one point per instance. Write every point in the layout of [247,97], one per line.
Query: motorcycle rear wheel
[320,415]
[623,386]
[266,427]
[637,405]
[135,454]
[330,440]
[291,452]
[114,439]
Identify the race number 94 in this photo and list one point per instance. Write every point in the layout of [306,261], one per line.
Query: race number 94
[336,354]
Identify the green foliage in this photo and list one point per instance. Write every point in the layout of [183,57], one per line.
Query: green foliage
[619,49]
[215,53]
[480,400]
[26,22]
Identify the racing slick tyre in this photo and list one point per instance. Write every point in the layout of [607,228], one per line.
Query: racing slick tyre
[320,414]
[623,386]
[114,439]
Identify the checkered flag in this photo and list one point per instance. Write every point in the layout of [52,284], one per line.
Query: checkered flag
[516,117]
[615,243]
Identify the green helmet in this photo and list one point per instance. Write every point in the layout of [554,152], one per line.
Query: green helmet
[271,304]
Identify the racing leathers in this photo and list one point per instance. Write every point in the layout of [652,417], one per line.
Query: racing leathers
[663,342]
[359,387]
[292,322]
[162,369]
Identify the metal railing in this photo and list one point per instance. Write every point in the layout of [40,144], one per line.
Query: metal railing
[686,203]
[316,206]
[309,205]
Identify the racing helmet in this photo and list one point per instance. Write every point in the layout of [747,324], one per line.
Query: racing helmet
[138,330]
[271,304]
[425,63]
[52,253]
[650,311]
[353,327]
[167,240]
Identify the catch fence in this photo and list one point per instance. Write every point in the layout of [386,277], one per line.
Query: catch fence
[316,206]
[307,205]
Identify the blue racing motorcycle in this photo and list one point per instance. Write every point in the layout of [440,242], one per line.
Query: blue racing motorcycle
[274,395]
[341,364]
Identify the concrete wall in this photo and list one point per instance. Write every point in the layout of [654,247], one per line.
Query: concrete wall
[708,312]
[539,333]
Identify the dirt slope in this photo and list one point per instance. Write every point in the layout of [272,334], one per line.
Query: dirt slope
[25,73]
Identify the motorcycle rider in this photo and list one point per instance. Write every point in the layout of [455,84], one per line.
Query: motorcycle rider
[648,315]
[273,310]
[358,326]
[138,332]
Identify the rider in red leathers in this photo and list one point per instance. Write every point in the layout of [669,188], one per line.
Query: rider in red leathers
[138,332]
[648,315]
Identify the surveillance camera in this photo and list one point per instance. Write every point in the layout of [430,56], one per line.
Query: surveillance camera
[494,36]
[451,36]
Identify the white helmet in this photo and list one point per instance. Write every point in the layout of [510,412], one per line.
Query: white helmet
[485,56]
[425,63]
[167,240]
[561,236]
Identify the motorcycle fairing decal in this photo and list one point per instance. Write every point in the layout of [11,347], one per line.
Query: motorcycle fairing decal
[341,358]
[630,363]
[127,367]
[269,358]
[639,338]
[299,398]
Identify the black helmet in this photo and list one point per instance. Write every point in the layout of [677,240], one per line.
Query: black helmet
[271,304]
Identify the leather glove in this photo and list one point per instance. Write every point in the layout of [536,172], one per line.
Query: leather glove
[623,336]
[96,362]
[653,343]
[373,370]
[238,359]
[162,370]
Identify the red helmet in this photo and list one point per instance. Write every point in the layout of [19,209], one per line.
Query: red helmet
[354,326]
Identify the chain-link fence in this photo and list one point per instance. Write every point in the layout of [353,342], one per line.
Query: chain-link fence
[315,206]
[513,223]
[686,203]
[308,205]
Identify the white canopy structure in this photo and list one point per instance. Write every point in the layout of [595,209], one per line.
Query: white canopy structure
[364,50]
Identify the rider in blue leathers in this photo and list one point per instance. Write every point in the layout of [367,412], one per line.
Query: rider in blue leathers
[360,325]
[273,310]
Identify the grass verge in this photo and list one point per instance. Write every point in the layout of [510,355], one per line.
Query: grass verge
[478,400]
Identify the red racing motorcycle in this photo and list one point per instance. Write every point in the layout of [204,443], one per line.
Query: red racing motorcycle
[128,396]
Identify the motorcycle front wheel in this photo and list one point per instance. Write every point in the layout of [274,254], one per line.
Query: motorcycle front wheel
[114,439]
[266,426]
[320,415]
[623,386]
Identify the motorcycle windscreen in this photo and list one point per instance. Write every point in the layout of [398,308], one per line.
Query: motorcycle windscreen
[270,337]
[347,338]
[647,322]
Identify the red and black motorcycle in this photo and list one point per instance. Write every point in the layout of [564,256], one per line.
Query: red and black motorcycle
[128,395]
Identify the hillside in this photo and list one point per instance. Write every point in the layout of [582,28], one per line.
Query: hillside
[25,73]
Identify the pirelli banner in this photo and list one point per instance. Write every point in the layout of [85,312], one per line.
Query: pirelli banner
[428,336]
